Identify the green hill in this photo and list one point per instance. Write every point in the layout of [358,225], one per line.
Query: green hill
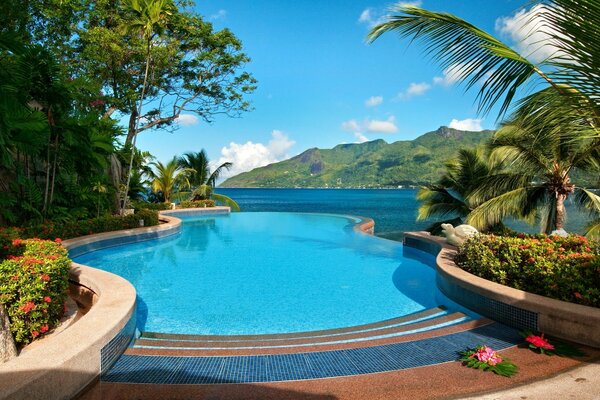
[369,164]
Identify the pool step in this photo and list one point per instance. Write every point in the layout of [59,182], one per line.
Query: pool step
[282,344]
[406,319]
[307,348]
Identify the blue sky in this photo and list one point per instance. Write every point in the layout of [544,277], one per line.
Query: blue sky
[321,84]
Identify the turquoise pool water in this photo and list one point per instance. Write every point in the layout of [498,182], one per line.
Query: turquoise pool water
[250,273]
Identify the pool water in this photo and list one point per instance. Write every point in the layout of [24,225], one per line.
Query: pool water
[252,273]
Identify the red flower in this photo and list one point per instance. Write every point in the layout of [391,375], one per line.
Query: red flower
[521,236]
[539,341]
[17,242]
[14,277]
[45,277]
[44,328]
[578,295]
[30,305]
[58,240]
[531,260]
[35,333]
[47,299]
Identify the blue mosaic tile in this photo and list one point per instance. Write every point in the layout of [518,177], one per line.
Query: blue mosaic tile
[299,366]
[117,345]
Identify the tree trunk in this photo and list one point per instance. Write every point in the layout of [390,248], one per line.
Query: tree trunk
[8,349]
[132,126]
[561,212]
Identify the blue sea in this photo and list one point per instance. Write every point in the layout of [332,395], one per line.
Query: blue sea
[394,210]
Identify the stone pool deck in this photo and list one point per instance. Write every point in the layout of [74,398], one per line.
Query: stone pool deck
[543,377]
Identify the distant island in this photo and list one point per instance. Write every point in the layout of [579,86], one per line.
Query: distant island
[375,164]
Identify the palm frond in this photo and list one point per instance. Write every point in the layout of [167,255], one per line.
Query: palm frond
[226,201]
[475,55]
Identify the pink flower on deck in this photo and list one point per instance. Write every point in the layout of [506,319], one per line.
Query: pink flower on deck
[487,355]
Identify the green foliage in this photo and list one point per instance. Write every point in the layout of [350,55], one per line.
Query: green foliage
[71,229]
[33,287]
[7,235]
[196,204]
[503,368]
[142,205]
[561,268]
[369,164]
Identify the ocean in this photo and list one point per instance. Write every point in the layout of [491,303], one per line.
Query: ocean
[394,210]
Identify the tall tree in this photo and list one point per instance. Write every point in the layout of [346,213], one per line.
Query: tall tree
[541,144]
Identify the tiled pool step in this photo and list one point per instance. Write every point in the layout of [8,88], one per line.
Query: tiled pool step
[361,335]
[428,313]
[196,352]
[155,369]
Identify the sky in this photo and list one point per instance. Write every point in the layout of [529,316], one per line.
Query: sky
[321,84]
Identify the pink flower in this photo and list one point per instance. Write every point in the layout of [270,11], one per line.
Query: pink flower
[47,299]
[539,341]
[44,328]
[487,355]
[35,333]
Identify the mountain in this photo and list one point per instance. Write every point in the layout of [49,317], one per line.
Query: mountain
[369,164]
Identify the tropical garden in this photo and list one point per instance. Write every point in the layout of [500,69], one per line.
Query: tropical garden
[526,170]
[79,81]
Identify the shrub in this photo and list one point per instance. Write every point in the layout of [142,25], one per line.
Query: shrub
[561,268]
[33,287]
[7,235]
[196,204]
[50,229]
[142,205]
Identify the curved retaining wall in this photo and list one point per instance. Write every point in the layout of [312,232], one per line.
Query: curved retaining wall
[69,361]
[522,310]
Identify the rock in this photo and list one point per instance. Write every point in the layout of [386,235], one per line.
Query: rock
[8,349]
[560,232]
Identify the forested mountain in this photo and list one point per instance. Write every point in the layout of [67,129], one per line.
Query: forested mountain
[369,164]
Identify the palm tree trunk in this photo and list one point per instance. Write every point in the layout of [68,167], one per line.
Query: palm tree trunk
[561,212]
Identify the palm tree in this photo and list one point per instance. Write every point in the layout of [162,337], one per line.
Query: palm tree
[203,181]
[169,179]
[150,19]
[449,196]
[540,144]
[566,113]
[478,58]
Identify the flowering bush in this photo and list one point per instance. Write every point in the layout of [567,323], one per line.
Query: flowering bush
[197,204]
[142,205]
[562,268]
[34,279]
[484,358]
[7,235]
[49,229]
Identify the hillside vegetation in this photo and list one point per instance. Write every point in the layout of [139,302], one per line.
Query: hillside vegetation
[369,164]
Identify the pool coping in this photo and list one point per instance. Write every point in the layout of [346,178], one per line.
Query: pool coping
[71,360]
[75,357]
[520,309]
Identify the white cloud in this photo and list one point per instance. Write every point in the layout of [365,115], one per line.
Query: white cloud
[187,119]
[414,89]
[469,124]
[249,155]
[374,16]
[416,3]
[374,101]
[360,137]
[219,14]
[365,16]
[529,33]
[451,75]
[351,125]
[388,126]
[369,126]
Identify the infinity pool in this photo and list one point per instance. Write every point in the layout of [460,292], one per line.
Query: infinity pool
[251,273]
